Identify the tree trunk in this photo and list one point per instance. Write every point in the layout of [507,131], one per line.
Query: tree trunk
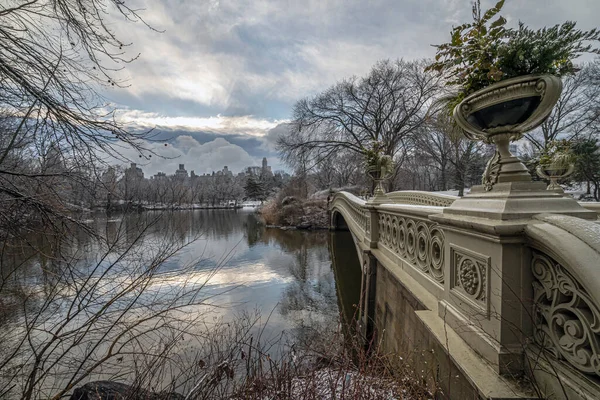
[460,182]
[589,188]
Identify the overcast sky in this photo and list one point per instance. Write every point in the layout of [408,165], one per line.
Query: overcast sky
[222,75]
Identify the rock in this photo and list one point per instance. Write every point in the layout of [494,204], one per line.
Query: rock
[304,225]
[288,200]
[108,390]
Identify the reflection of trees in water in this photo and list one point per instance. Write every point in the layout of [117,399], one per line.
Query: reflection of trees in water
[50,260]
[309,301]
[37,259]
[288,240]
[254,229]
[86,297]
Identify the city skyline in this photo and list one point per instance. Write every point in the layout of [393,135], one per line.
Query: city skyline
[181,172]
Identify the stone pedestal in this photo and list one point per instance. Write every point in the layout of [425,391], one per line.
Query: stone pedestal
[372,224]
[516,200]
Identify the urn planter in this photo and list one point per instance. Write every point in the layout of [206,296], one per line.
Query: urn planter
[504,112]
[553,173]
[376,174]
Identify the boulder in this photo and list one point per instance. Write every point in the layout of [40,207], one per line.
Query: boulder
[288,200]
[108,390]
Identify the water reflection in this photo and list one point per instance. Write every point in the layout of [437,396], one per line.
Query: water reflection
[299,280]
[291,270]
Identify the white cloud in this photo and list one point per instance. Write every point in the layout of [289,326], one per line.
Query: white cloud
[198,157]
[246,124]
[282,51]
[238,66]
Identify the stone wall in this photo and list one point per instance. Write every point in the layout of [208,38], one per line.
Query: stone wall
[400,331]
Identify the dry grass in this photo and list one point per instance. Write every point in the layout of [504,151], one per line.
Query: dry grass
[325,367]
[270,212]
[313,212]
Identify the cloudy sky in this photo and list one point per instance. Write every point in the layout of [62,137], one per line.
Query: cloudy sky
[221,76]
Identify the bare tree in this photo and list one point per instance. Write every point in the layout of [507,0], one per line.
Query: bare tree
[386,106]
[435,142]
[577,112]
[56,129]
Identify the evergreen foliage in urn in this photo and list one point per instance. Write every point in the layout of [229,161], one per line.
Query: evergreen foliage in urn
[377,164]
[485,51]
[558,155]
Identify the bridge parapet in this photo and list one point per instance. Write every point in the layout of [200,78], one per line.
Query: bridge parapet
[353,210]
[421,198]
[511,284]
[409,238]
[566,294]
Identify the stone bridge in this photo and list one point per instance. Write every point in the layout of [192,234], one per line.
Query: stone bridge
[493,295]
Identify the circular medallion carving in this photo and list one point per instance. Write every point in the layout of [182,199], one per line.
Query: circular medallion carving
[402,237]
[411,239]
[469,277]
[436,255]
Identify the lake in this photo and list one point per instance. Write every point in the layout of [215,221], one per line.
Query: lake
[211,267]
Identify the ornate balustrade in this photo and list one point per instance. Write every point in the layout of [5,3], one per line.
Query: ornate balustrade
[421,198]
[403,232]
[407,232]
[471,267]
[352,209]
[566,289]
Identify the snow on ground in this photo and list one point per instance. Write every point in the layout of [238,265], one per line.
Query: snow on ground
[330,383]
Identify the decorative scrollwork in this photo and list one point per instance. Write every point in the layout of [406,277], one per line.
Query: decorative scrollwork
[417,241]
[490,175]
[567,321]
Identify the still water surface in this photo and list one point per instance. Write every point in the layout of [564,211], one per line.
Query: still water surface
[294,279]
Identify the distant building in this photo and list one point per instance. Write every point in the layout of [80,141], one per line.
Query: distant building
[160,175]
[133,182]
[254,170]
[281,174]
[181,172]
[226,171]
[266,169]
[134,173]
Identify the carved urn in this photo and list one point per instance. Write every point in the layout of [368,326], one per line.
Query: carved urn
[379,172]
[553,174]
[504,112]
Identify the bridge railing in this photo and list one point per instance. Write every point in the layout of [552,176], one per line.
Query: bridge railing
[402,231]
[499,284]
[566,290]
[415,197]
[411,239]
[352,208]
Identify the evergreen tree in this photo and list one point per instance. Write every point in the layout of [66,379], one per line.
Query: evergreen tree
[587,165]
[254,188]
